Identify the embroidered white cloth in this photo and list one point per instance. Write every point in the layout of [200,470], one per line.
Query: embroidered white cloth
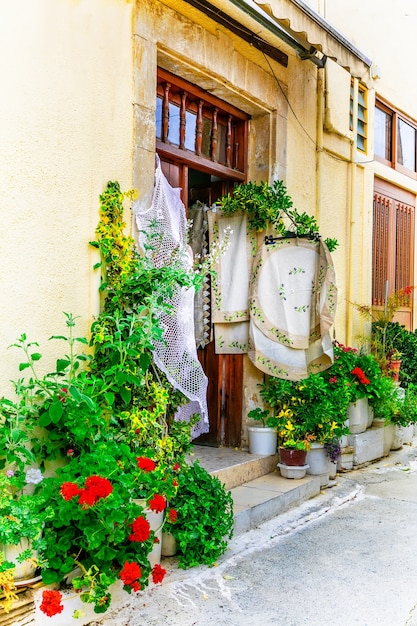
[292,307]
[230,283]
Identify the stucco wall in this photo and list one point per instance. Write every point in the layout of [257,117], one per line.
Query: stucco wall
[66,129]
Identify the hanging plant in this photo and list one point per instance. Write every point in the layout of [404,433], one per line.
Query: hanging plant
[270,207]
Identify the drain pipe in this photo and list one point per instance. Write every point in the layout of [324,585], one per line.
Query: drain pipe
[351,213]
[319,137]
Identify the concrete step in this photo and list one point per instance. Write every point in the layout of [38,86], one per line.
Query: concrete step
[258,490]
[234,467]
[263,498]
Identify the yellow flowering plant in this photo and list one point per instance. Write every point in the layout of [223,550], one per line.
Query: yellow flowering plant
[306,411]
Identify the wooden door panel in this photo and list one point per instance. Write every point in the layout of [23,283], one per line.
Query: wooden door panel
[224,372]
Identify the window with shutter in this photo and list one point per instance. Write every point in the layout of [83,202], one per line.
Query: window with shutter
[393,244]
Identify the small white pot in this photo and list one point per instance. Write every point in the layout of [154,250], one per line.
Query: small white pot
[262,441]
[318,462]
[169,544]
[358,416]
[25,570]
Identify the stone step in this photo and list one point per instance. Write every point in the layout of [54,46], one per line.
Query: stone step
[263,498]
[234,467]
[258,490]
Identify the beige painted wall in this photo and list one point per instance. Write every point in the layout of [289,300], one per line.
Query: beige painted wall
[285,138]
[80,110]
[66,129]
[385,32]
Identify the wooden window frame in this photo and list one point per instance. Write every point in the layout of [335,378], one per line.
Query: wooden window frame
[392,243]
[393,162]
[188,97]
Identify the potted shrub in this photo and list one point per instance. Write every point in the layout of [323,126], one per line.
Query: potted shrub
[262,438]
[383,341]
[108,418]
[405,416]
[203,520]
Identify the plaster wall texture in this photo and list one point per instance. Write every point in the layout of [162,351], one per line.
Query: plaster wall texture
[66,130]
[80,111]
[379,19]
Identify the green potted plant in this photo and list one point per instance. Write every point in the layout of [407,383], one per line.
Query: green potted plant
[310,412]
[263,435]
[270,207]
[383,341]
[203,523]
[405,416]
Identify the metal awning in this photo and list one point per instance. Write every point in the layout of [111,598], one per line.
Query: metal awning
[311,31]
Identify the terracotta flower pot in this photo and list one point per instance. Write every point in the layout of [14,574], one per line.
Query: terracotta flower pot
[394,368]
[291,457]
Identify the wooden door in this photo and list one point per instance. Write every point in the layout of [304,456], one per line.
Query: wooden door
[224,372]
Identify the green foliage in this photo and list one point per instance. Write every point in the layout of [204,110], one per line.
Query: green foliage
[308,410]
[23,516]
[406,342]
[205,517]
[386,405]
[270,206]
[263,416]
[406,409]
[103,411]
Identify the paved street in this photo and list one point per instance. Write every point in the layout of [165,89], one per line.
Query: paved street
[347,558]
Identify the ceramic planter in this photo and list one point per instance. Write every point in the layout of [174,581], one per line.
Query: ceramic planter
[394,368]
[262,441]
[169,544]
[292,471]
[398,439]
[358,416]
[291,457]
[318,462]
[156,522]
[389,430]
[22,571]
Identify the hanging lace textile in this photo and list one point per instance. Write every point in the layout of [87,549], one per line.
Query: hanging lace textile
[292,307]
[176,355]
[197,215]
[230,281]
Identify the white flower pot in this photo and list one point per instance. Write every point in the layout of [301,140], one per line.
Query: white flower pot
[318,462]
[398,439]
[358,416]
[169,544]
[408,433]
[292,471]
[25,570]
[389,430]
[156,522]
[262,441]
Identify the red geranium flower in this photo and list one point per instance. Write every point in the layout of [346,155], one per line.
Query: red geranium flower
[101,486]
[51,603]
[157,504]
[360,375]
[140,530]
[172,516]
[176,467]
[145,464]
[158,573]
[69,490]
[96,487]
[130,573]
[333,379]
